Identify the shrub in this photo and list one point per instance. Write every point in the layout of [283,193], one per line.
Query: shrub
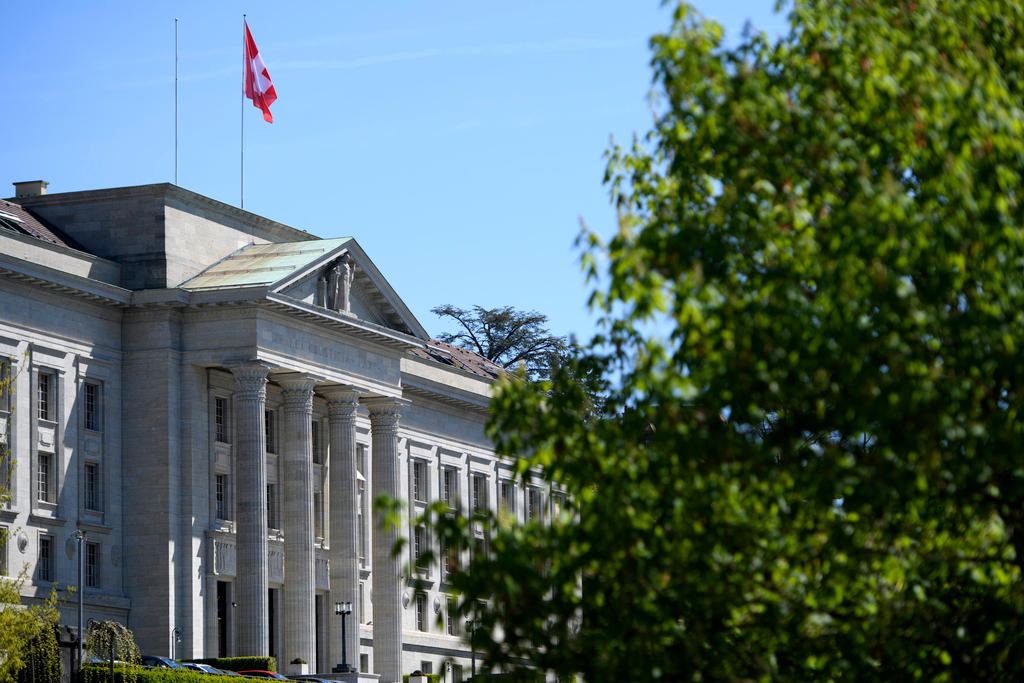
[239,663]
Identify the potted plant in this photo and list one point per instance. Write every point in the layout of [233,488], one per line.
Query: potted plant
[298,666]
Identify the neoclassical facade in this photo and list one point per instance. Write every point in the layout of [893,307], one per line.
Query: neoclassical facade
[215,399]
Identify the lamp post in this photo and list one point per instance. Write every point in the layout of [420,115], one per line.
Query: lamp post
[343,609]
[472,646]
[80,537]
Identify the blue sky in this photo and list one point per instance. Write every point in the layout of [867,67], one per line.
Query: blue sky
[459,142]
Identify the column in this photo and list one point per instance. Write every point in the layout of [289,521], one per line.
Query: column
[344,518]
[297,505]
[253,636]
[387,567]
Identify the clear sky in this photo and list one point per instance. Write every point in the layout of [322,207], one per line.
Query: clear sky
[458,142]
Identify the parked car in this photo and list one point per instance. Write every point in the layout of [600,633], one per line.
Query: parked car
[308,678]
[227,672]
[257,673]
[202,668]
[159,662]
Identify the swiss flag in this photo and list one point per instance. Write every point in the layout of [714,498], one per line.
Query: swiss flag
[258,86]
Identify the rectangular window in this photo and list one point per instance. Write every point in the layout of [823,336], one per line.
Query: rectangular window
[450,559]
[557,504]
[421,612]
[92,565]
[419,481]
[92,486]
[452,625]
[5,384]
[426,667]
[456,673]
[92,407]
[362,602]
[449,487]
[419,547]
[220,418]
[364,505]
[318,515]
[533,505]
[44,565]
[4,533]
[272,522]
[44,477]
[479,492]
[507,495]
[270,429]
[221,485]
[45,396]
[314,431]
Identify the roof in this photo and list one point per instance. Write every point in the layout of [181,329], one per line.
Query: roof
[449,354]
[262,264]
[13,217]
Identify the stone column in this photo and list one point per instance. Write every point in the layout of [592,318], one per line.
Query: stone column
[253,635]
[344,519]
[387,567]
[297,503]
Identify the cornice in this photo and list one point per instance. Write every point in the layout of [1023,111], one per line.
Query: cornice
[63,283]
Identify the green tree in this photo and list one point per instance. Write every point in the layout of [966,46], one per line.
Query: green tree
[506,336]
[814,471]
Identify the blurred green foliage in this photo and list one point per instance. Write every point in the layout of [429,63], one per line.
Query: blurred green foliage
[810,465]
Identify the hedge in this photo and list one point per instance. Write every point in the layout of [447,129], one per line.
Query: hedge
[239,663]
[93,673]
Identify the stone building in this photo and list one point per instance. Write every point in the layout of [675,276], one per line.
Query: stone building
[215,399]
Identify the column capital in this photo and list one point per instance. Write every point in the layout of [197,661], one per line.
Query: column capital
[250,379]
[385,409]
[342,401]
[298,390]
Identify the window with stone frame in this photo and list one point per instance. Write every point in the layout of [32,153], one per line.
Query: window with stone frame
[46,396]
[534,505]
[91,487]
[5,385]
[507,496]
[92,565]
[45,485]
[270,430]
[451,616]
[449,560]
[222,493]
[364,506]
[5,533]
[450,487]
[318,514]
[272,513]
[220,419]
[419,549]
[420,491]
[421,612]
[44,562]
[314,435]
[479,492]
[93,406]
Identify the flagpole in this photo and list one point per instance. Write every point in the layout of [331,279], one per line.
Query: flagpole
[242,183]
[175,100]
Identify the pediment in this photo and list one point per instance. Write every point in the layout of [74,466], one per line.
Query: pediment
[318,273]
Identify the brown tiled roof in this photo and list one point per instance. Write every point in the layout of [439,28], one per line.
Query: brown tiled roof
[449,354]
[15,218]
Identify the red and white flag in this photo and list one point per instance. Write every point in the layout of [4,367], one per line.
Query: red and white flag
[258,86]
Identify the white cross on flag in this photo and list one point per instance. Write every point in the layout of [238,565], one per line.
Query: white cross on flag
[258,86]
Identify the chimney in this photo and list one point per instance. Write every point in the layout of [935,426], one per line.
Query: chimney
[30,188]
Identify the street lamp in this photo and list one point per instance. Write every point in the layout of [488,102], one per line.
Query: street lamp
[343,609]
[80,537]
[472,646]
